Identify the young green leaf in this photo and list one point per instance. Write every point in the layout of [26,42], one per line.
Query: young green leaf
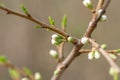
[3,59]
[37,26]
[23,8]
[2,5]
[51,21]
[64,21]
[14,73]
[117,50]
[113,56]
[27,71]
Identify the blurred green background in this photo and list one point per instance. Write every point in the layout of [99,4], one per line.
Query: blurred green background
[27,46]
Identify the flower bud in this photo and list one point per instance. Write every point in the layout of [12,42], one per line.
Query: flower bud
[97,55]
[103,18]
[103,46]
[113,71]
[56,72]
[56,39]
[54,42]
[38,76]
[70,39]
[54,54]
[55,36]
[25,78]
[91,55]
[88,4]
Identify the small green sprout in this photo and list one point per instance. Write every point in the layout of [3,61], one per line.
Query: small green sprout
[24,9]
[51,21]
[64,21]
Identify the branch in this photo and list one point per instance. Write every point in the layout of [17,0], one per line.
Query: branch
[42,24]
[78,45]
[64,65]
[89,50]
[105,54]
[11,66]
[93,23]
[75,51]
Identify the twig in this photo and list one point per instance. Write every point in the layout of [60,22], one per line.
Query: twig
[63,66]
[105,54]
[89,50]
[61,48]
[99,6]
[78,45]
[75,51]
[93,23]
[42,24]
[10,65]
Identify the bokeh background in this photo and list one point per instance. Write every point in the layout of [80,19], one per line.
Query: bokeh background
[27,46]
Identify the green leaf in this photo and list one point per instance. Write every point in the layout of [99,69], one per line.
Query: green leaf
[115,77]
[3,59]
[64,21]
[117,51]
[90,6]
[14,73]
[56,42]
[2,5]
[23,8]
[37,26]
[27,71]
[51,21]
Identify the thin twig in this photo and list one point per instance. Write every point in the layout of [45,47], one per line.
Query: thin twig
[105,54]
[89,50]
[100,5]
[42,24]
[75,51]
[63,66]
[93,23]
[11,66]
[78,45]
[61,48]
